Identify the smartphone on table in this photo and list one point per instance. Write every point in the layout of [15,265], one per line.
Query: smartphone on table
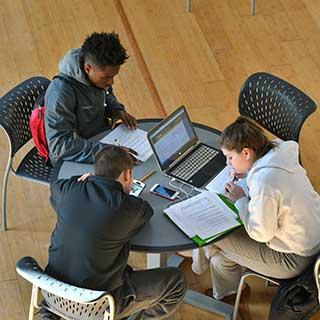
[137,187]
[164,192]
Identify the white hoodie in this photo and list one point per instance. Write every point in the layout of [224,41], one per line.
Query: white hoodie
[283,209]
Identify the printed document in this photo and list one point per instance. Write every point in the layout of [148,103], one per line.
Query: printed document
[218,183]
[204,215]
[134,139]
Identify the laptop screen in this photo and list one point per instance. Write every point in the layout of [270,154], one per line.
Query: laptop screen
[172,137]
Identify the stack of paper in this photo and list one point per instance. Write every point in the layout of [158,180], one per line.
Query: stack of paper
[204,217]
[134,139]
[218,183]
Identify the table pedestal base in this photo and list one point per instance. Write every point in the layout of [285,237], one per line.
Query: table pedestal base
[201,301]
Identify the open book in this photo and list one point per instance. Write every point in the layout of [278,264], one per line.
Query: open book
[204,217]
[134,139]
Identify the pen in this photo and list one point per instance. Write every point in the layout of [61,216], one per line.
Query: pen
[233,176]
[147,175]
[116,141]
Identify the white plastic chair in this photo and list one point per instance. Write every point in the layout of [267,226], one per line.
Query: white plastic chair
[244,276]
[248,273]
[252,3]
[67,301]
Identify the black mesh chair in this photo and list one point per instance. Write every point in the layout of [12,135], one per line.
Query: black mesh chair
[275,104]
[15,110]
[280,108]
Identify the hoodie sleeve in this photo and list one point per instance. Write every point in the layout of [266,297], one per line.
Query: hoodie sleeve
[61,125]
[260,213]
[112,103]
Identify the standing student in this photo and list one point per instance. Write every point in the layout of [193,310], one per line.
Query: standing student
[280,214]
[80,100]
[96,220]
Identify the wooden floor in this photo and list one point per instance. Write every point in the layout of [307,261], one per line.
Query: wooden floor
[199,59]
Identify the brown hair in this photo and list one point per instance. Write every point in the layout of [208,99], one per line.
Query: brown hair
[244,133]
[111,161]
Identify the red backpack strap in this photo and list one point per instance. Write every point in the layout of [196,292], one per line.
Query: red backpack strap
[36,122]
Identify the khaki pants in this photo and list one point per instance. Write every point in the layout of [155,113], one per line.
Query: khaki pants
[229,256]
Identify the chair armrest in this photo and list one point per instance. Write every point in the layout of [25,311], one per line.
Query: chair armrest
[316,271]
[30,270]
[249,273]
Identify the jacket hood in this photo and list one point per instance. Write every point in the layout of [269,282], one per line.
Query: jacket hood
[284,156]
[69,65]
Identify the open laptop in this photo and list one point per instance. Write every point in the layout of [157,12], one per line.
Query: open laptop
[180,154]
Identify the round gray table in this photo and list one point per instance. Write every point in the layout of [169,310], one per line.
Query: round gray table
[160,236]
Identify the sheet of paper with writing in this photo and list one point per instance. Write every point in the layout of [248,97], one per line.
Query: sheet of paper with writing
[218,183]
[134,139]
[204,215]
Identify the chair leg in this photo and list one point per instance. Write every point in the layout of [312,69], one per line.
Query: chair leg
[237,302]
[4,195]
[110,315]
[252,7]
[188,5]
[33,301]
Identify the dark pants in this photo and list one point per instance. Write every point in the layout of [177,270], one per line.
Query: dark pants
[152,294]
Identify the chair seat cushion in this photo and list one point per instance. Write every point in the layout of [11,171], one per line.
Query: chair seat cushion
[34,168]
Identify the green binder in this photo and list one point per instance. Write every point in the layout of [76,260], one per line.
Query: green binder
[200,242]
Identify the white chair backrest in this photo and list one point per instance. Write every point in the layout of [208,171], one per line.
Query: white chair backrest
[68,301]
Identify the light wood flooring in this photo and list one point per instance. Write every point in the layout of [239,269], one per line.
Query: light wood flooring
[199,59]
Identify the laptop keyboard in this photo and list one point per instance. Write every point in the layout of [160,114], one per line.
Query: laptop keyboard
[194,163]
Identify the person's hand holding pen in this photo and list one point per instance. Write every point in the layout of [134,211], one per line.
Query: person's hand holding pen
[132,152]
[233,191]
[234,176]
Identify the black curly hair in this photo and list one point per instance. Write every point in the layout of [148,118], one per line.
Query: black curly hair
[103,49]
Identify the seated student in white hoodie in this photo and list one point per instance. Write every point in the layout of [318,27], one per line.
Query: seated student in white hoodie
[281,214]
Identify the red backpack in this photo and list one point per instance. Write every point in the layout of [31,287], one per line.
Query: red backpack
[36,124]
